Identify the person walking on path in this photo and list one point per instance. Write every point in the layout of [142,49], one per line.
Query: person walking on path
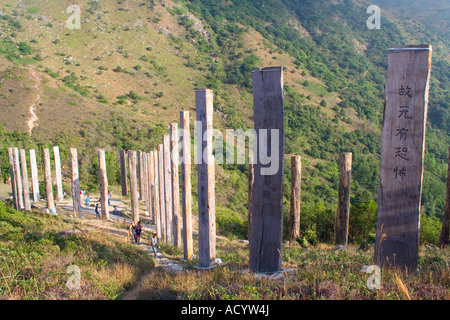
[138,232]
[96,210]
[132,231]
[155,244]
[88,200]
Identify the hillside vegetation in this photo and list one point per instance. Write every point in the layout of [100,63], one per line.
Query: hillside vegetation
[120,80]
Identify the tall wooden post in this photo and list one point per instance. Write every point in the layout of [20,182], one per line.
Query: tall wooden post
[343,210]
[157,203]
[445,231]
[58,176]
[151,170]
[206,179]
[162,187]
[402,156]
[123,172]
[133,186]
[144,168]
[296,183]
[175,155]
[18,178]
[34,176]
[186,192]
[267,195]
[48,180]
[76,200]
[140,174]
[13,178]
[149,185]
[103,179]
[25,184]
[168,189]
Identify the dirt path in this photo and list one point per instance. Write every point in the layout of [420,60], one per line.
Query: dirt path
[32,121]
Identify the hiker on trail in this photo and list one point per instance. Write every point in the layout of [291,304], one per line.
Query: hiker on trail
[115,210]
[155,244]
[96,210]
[132,231]
[109,197]
[88,200]
[138,232]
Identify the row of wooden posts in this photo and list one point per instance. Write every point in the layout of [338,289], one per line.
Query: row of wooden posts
[160,187]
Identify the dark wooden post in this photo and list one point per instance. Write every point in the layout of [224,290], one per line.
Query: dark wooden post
[48,180]
[343,210]
[162,197]
[206,179]
[402,156]
[445,231]
[18,178]
[13,178]
[175,155]
[103,179]
[168,189]
[186,192]
[123,172]
[34,176]
[58,176]
[267,194]
[133,186]
[76,200]
[296,183]
[25,184]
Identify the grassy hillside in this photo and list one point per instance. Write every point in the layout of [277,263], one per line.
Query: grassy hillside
[119,81]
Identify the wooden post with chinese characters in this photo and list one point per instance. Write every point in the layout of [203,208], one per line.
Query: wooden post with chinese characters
[133,186]
[162,198]
[402,156]
[13,178]
[265,239]
[145,195]
[343,209]
[58,176]
[168,189]
[445,231]
[25,184]
[18,178]
[296,178]
[140,175]
[186,188]
[48,180]
[174,152]
[152,189]
[34,176]
[76,200]
[123,172]
[103,180]
[157,204]
[206,179]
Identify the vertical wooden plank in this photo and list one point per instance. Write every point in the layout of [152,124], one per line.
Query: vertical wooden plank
[151,171]
[267,195]
[168,189]
[162,198]
[18,178]
[444,237]
[123,172]
[140,174]
[133,186]
[343,210]
[34,176]
[175,155]
[25,183]
[48,180]
[296,183]
[76,200]
[145,181]
[206,179]
[58,176]
[13,178]
[157,203]
[402,156]
[103,179]
[186,187]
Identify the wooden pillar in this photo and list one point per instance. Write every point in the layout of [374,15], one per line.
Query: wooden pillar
[25,183]
[18,178]
[162,199]
[144,167]
[48,180]
[343,210]
[186,188]
[76,200]
[402,156]
[13,178]
[157,204]
[133,186]
[267,195]
[34,176]
[151,190]
[175,155]
[140,174]
[445,231]
[58,176]
[103,180]
[206,179]
[123,172]
[296,183]
[168,189]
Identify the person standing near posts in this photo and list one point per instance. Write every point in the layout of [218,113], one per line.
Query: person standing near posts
[138,232]
[96,210]
[155,244]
